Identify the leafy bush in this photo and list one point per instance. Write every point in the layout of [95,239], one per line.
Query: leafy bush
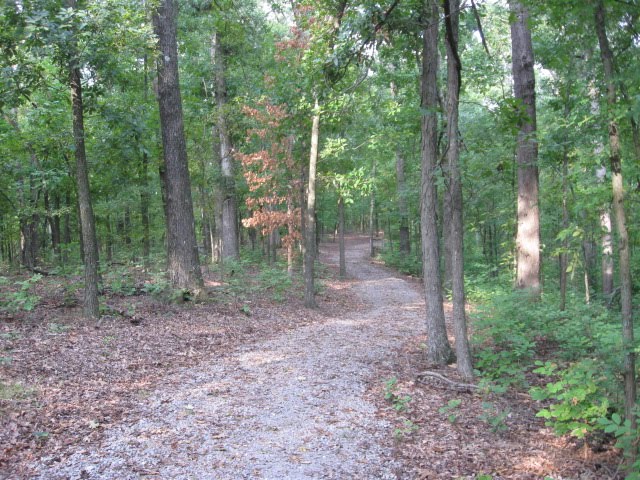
[504,341]
[579,397]
[408,264]
[21,297]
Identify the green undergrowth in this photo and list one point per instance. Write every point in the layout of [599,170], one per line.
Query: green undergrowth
[569,361]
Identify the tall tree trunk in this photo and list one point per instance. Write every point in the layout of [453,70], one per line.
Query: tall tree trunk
[454,69]
[372,213]
[182,249]
[108,244]
[310,219]
[621,223]
[229,236]
[438,348]
[29,202]
[606,240]
[66,227]
[87,221]
[524,86]
[403,209]
[145,197]
[54,223]
[401,191]
[564,255]
[343,260]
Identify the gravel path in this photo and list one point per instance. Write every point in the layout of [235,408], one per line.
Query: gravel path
[289,408]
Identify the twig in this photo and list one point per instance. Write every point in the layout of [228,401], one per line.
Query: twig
[462,386]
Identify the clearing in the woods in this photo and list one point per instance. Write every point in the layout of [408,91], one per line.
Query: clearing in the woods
[263,389]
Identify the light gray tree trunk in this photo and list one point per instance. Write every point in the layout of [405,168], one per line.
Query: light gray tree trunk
[528,216]
[343,260]
[372,213]
[229,216]
[310,220]
[438,348]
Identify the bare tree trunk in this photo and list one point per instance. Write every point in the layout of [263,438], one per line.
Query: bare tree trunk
[454,68]
[182,249]
[607,251]
[87,221]
[343,260]
[145,197]
[528,230]
[438,348]
[229,235]
[621,225]
[291,232]
[310,220]
[218,199]
[108,244]
[564,256]
[372,212]
[401,189]
[403,209]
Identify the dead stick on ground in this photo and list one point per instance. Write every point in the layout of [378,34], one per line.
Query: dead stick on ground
[468,386]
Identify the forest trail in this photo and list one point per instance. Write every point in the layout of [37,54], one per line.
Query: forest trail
[287,408]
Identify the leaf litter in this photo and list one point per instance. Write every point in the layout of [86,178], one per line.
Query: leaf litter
[209,391]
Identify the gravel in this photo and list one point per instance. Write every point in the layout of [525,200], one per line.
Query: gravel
[289,408]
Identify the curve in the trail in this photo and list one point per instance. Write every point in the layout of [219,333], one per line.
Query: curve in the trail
[292,407]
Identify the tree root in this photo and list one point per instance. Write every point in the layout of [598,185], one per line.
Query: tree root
[467,387]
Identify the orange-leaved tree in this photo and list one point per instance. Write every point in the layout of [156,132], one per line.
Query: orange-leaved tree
[268,171]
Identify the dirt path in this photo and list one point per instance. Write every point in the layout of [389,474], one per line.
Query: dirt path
[290,407]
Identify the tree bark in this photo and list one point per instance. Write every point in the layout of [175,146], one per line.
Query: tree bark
[87,222]
[456,237]
[524,85]
[438,348]
[401,191]
[343,260]
[606,55]
[403,209]
[182,249]
[372,213]
[606,240]
[310,220]
[564,256]
[229,234]
[145,197]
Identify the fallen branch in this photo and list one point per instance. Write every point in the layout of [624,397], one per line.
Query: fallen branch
[458,385]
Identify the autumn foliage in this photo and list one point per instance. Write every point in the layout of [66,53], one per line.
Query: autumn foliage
[268,172]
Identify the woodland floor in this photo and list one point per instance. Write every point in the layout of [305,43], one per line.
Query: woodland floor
[260,388]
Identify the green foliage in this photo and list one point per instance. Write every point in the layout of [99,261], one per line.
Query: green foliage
[449,407]
[275,280]
[408,427]
[120,282]
[57,328]
[157,286]
[494,417]
[626,439]
[578,397]
[408,264]
[15,391]
[504,339]
[20,295]
[398,403]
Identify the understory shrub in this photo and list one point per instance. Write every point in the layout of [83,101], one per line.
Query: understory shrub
[409,264]
[20,295]
[577,355]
